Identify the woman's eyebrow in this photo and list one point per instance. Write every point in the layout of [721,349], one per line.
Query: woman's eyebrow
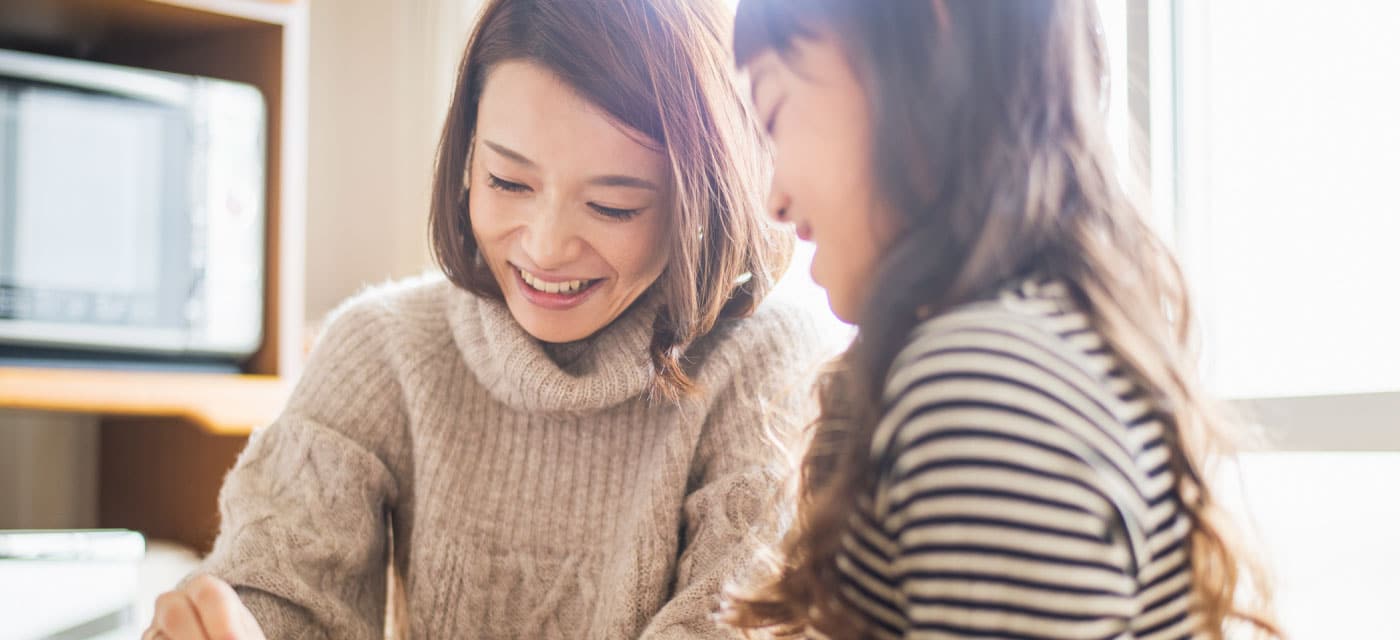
[624,181]
[509,153]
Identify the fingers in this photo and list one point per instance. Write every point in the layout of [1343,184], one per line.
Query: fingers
[251,629]
[218,607]
[176,619]
[205,608]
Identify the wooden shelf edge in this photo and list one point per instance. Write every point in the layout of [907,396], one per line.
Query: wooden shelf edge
[222,404]
[278,12]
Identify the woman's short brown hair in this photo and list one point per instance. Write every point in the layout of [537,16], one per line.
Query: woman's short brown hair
[662,68]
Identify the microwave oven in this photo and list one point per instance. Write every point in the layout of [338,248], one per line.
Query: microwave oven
[131,211]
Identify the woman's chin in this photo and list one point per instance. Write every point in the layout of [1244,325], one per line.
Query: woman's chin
[553,326]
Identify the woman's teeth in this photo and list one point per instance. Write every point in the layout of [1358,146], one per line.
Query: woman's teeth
[566,288]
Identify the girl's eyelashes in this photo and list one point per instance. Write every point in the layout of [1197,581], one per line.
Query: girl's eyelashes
[505,185]
[617,214]
[773,116]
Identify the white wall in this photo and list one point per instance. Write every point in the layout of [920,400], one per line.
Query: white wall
[1326,525]
[381,74]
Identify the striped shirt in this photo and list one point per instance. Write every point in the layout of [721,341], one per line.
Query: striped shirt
[1024,488]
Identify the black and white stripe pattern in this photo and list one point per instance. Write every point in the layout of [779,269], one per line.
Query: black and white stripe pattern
[1015,460]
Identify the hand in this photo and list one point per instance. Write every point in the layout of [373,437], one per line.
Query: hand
[204,608]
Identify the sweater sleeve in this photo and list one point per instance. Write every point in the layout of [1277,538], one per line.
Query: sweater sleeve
[734,505]
[303,539]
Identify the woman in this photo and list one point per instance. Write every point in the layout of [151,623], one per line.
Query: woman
[1015,445]
[574,435]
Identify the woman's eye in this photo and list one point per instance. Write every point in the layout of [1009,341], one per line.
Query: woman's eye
[620,214]
[505,185]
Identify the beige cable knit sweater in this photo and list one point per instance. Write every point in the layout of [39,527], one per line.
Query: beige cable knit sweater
[530,492]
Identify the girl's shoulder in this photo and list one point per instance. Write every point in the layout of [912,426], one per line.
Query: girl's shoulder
[1034,322]
[1025,367]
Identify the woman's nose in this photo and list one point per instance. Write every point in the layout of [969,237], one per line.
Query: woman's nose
[549,241]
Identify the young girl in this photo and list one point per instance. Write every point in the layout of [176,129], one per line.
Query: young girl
[1015,445]
[572,435]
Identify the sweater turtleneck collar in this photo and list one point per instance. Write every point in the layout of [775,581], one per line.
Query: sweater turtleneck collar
[526,374]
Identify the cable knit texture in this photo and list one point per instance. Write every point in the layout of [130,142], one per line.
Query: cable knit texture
[506,488]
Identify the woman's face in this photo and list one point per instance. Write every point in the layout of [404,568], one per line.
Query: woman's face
[569,209]
[816,115]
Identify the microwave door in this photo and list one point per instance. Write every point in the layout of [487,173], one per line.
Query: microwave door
[97,220]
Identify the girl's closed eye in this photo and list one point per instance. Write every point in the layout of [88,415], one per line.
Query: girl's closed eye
[770,123]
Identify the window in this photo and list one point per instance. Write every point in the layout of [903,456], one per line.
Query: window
[1292,153]
[1271,134]
[1284,139]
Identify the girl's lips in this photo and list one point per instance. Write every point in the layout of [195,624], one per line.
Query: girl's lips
[804,231]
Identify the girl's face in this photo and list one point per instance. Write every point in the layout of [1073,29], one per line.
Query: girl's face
[570,209]
[816,115]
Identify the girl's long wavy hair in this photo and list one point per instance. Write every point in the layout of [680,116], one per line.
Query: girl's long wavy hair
[991,145]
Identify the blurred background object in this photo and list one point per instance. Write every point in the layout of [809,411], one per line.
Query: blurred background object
[123,436]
